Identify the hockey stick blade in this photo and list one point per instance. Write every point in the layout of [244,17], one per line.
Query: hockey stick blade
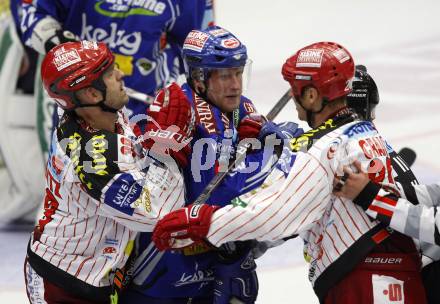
[241,153]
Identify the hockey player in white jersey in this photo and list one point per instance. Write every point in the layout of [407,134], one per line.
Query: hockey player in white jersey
[101,187]
[338,234]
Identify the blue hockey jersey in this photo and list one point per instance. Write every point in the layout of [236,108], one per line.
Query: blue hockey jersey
[189,273]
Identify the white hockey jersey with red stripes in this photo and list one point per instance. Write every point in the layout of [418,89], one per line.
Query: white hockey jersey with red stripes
[98,196]
[301,202]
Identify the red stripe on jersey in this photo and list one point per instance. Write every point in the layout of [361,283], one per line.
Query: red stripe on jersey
[343,223]
[339,235]
[304,219]
[91,269]
[70,264]
[287,215]
[81,265]
[349,215]
[333,242]
[270,196]
[386,200]
[381,210]
[250,220]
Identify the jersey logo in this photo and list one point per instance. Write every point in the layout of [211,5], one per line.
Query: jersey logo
[122,193]
[116,38]
[204,115]
[387,289]
[124,8]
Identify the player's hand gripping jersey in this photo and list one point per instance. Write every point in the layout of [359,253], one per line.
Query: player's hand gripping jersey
[100,191]
[146,36]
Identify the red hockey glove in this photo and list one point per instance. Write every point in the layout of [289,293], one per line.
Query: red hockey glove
[170,125]
[250,126]
[191,222]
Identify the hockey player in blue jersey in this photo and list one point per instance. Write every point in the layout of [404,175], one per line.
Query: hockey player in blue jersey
[216,64]
[146,35]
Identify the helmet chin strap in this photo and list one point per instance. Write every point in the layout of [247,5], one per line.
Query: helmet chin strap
[101,105]
[311,114]
[100,86]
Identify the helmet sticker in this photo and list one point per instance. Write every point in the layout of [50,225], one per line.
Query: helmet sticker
[230,43]
[89,45]
[77,80]
[341,55]
[303,77]
[195,41]
[219,32]
[310,58]
[65,59]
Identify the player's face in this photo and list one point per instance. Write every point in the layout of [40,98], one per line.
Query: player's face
[115,95]
[225,87]
[302,115]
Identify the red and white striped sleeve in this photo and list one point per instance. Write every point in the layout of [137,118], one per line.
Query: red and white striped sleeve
[282,209]
[420,221]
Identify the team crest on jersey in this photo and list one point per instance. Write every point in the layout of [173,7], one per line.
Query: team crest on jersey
[125,8]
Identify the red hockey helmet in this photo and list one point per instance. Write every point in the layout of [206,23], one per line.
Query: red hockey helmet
[72,66]
[327,66]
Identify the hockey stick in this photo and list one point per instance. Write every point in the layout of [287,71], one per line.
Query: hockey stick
[241,154]
[139,96]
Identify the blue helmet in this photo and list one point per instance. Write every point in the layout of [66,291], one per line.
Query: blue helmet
[213,48]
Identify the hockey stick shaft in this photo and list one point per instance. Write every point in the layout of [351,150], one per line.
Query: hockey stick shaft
[139,96]
[241,154]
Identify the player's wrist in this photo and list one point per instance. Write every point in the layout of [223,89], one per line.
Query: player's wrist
[366,197]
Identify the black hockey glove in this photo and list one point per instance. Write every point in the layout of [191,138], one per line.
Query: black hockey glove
[61,36]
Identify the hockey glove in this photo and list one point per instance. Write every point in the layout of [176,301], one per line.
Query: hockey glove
[169,126]
[250,126]
[285,130]
[191,222]
[235,278]
[61,36]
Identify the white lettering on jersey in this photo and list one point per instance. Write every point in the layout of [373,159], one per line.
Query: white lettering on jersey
[117,39]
